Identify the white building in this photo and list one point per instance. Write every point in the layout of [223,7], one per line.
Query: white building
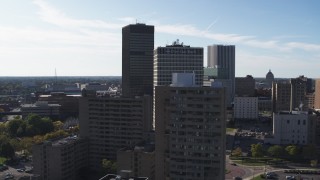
[294,127]
[246,108]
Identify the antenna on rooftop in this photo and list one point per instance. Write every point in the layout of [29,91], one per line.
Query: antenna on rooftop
[55,76]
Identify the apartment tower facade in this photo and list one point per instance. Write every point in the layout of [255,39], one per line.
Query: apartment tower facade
[112,123]
[190,132]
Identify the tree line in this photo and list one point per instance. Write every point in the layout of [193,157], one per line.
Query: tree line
[21,134]
[292,152]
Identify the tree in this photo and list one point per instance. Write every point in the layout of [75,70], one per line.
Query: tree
[109,166]
[56,134]
[3,128]
[13,126]
[237,152]
[6,150]
[37,125]
[57,125]
[256,150]
[26,144]
[309,151]
[292,150]
[275,151]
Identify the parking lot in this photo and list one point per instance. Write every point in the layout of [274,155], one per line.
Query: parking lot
[19,171]
[282,175]
[250,133]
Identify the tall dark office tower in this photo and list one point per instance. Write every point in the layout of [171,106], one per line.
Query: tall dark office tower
[221,58]
[137,59]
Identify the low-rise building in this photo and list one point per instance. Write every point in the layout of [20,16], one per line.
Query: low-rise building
[295,127]
[246,107]
[69,104]
[42,108]
[137,161]
[265,104]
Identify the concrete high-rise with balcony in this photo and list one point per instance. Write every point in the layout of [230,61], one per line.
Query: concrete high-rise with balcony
[221,60]
[317,94]
[112,123]
[137,59]
[190,132]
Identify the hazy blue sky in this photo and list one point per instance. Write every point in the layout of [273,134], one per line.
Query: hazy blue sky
[78,37]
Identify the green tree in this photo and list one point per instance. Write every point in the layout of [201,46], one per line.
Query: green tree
[37,125]
[109,166]
[275,151]
[56,134]
[237,152]
[3,128]
[6,150]
[26,144]
[257,150]
[57,125]
[13,126]
[309,152]
[292,150]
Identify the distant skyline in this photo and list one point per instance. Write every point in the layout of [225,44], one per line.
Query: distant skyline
[83,38]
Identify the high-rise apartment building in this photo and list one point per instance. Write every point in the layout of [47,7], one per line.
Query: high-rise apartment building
[137,59]
[177,58]
[298,93]
[190,132]
[281,95]
[317,94]
[290,95]
[112,123]
[221,60]
[60,159]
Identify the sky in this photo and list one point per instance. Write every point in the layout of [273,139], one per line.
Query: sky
[83,38]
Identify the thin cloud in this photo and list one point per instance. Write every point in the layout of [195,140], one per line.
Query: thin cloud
[304,46]
[213,23]
[54,16]
[251,41]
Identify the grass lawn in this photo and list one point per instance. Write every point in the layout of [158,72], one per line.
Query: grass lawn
[257,178]
[230,129]
[251,163]
[2,160]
